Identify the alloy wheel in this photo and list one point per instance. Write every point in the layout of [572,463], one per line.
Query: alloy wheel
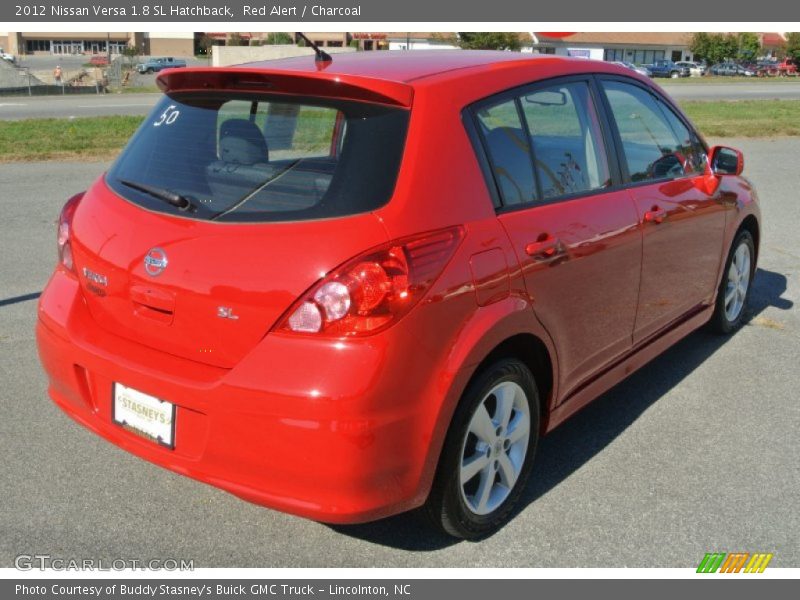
[494,448]
[738,282]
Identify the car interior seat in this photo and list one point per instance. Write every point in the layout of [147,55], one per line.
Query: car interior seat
[243,160]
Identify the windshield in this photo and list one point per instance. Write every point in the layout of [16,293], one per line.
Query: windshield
[228,157]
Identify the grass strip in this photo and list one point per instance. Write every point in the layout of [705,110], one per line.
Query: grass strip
[101,138]
[745,118]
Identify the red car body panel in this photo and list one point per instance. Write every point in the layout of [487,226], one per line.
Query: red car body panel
[597,244]
[349,430]
[168,309]
[691,235]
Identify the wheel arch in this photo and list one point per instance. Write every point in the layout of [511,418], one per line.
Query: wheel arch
[533,352]
[750,224]
[508,328]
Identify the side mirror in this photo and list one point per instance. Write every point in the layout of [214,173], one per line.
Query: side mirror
[726,161]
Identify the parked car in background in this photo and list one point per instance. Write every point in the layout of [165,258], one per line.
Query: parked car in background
[7,57]
[695,69]
[745,70]
[642,70]
[787,67]
[774,68]
[732,69]
[667,68]
[720,69]
[99,60]
[330,293]
[766,68]
[154,65]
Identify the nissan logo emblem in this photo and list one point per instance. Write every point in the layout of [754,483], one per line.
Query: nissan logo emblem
[155,261]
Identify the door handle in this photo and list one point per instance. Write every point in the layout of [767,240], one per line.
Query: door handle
[543,248]
[655,215]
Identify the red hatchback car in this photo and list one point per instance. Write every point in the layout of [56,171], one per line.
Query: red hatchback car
[349,289]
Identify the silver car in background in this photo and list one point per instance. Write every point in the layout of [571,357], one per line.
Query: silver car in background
[695,69]
[642,70]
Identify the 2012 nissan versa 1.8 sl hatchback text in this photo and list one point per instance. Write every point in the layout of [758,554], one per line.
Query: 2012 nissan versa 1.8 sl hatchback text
[349,289]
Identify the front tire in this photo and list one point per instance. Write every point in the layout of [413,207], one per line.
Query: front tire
[488,452]
[674,75]
[734,289]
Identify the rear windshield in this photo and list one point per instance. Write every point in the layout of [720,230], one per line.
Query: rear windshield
[245,158]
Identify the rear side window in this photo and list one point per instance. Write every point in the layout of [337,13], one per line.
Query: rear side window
[544,144]
[655,143]
[252,159]
[509,151]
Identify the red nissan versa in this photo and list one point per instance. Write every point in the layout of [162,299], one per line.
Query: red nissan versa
[349,289]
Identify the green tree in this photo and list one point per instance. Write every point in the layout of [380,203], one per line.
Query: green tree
[236,39]
[700,45]
[487,40]
[278,37]
[729,46]
[715,47]
[749,46]
[793,46]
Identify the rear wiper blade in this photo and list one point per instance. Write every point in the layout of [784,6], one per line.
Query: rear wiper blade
[176,200]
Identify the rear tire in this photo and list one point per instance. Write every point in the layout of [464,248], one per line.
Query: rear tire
[674,75]
[488,452]
[734,289]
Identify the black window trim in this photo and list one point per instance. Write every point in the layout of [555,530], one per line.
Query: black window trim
[526,129]
[612,143]
[478,146]
[609,144]
[659,99]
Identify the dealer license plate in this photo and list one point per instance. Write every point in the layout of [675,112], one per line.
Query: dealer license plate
[144,415]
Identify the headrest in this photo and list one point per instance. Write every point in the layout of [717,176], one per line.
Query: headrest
[241,142]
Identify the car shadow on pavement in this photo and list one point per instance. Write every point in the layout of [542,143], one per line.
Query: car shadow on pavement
[578,440]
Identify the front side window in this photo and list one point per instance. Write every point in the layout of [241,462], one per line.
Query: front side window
[651,149]
[689,148]
[232,157]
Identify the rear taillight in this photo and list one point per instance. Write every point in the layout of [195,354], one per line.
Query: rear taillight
[374,290]
[65,232]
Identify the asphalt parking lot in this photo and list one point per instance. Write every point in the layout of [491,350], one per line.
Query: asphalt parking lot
[697,452]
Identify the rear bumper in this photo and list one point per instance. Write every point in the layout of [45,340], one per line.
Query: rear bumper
[326,430]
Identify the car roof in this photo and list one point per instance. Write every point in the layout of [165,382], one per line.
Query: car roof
[397,65]
[391,77]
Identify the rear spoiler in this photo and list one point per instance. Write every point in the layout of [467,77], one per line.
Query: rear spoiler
[296,83]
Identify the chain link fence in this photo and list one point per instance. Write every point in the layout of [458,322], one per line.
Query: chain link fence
[26,81]
[99,78]
[122,73]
